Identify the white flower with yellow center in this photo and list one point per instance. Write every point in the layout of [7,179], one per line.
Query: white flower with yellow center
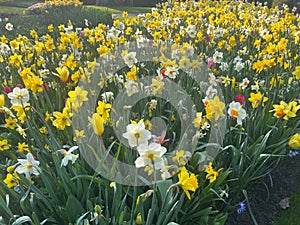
[136,134]
[9,27]
[68,155]
[151,155]
[130,59]
[28,166]
[237,112]
[191,30]
[19,97]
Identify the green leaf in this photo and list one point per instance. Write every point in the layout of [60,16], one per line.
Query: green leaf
[5,211]
[73,208]
[163,187]
[22,220]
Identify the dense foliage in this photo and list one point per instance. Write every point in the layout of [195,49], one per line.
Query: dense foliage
[196,99]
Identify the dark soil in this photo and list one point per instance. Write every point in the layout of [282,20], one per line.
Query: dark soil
[265,203]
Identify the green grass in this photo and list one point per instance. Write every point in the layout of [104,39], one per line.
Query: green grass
[291,216]
[18,3]
[122,9]
[11,9]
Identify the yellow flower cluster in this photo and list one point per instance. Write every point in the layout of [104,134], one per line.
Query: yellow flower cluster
[62,3]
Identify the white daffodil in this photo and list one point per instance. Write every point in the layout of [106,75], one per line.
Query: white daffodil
[237,112]
[68,156]
[28,166]
[113,33]
[150,155]
[244,83]
[130,59]
[9,27]
[19,97]
[191,30]
[239,66]
[4,49]
[171,72]
[107,96]
[136,134]
[132,87]
[218,56]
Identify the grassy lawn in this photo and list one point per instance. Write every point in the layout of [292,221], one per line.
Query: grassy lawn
[18,3]
[291,216]
[11,9]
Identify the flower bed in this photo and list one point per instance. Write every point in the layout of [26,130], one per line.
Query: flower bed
[163,118]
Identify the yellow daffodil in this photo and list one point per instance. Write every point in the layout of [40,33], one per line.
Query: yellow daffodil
[294,141]
[78,96]
[4,145]
[211,173]
[97,122]
[62,119]
[256,99]
[62,73]
[214,108]
[187,182]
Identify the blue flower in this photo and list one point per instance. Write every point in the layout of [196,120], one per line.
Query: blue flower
[293,153]
[242,207]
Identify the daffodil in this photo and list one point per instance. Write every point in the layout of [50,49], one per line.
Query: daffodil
[4,145]
[28,166]
[211,173]
[2,101]
[187,182]
[180,157]
[136,134]
[150,155]
[236,111]
[78,96]
[214,108]
[97,122]
[103,110]
[62,73]
[11,180]
[256,99]
[19,96]
[130,59]
[68,155]
[294,141]
[62,119]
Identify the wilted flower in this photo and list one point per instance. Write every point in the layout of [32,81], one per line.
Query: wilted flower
[160,139]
